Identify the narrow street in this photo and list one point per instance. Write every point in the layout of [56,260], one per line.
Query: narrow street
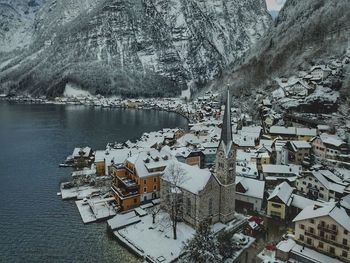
[275,230]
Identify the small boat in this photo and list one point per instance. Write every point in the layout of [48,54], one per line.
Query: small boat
[59,194]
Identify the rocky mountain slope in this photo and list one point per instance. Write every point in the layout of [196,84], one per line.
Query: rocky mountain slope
[304,33]
[133,47]
[17,23]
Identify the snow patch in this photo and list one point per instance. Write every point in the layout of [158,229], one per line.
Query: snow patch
[73,90]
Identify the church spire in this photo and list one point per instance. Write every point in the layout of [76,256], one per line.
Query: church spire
[226,132]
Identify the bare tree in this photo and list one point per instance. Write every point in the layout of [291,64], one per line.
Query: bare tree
[173,178]
[154,212]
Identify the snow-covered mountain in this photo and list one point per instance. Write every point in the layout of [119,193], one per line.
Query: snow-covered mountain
[17,23]
[134,47]
[304,33]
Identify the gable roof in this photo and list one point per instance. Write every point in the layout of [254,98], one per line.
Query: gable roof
[336,212]
[253,188]
[194,179]
[284,192]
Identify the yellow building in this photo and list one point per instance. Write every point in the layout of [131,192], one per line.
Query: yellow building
[279,201]
[261,159]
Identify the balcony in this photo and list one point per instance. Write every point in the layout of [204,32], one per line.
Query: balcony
[327,228]
[125,188]
[326,239]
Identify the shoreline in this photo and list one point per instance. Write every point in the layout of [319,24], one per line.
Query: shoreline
[38,101]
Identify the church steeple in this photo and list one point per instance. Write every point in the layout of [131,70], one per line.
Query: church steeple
[226,166]
[226,132]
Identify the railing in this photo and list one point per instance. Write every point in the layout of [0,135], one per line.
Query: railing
[123,194]
[326,239]
[326,228]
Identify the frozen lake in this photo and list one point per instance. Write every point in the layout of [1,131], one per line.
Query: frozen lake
[35,224]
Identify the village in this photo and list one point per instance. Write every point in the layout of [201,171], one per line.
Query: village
[278,181]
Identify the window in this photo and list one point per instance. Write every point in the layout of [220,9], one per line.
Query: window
[188,206]
[333,237]
[154,187]
[276,205]
[311,230]
[135,200]
[210,206]
[301,237]
[344,254]
[144,181]
[345,242]
[320,195]
[304,183]
[320,244]
[155,179]
[345,232]
[312,221]
[332,250]
[334,227]
[145,189]
[323,223]
[309,241]
[301,226]
[321,233]
[321,188]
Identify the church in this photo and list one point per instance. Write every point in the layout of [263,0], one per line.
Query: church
[205,194]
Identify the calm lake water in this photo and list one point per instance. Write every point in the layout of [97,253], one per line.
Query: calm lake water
[35,224]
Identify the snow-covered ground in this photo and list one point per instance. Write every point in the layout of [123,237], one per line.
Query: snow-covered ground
[156,240]
[95,209]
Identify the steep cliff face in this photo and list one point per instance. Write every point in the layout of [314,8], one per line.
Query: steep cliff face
[135,47]
[17,23]
[305,32]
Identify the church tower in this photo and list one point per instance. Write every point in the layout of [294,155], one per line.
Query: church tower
[226,166]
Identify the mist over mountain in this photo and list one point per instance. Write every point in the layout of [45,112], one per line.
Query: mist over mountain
[131,48]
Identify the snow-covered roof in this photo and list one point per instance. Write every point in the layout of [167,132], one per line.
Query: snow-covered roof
[301,202]
[284,192]
[194,179]
[243,155]
[299,145]
[253,188]
[327,182]
[306,131]
[148,160]
[116,155]
[281,169]
[312,255]
[286,245]
[85,150]
[331,139]
[336,212]
[282,130]
[243,140]
[247,169]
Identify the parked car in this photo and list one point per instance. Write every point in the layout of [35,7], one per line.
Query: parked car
[241,239]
